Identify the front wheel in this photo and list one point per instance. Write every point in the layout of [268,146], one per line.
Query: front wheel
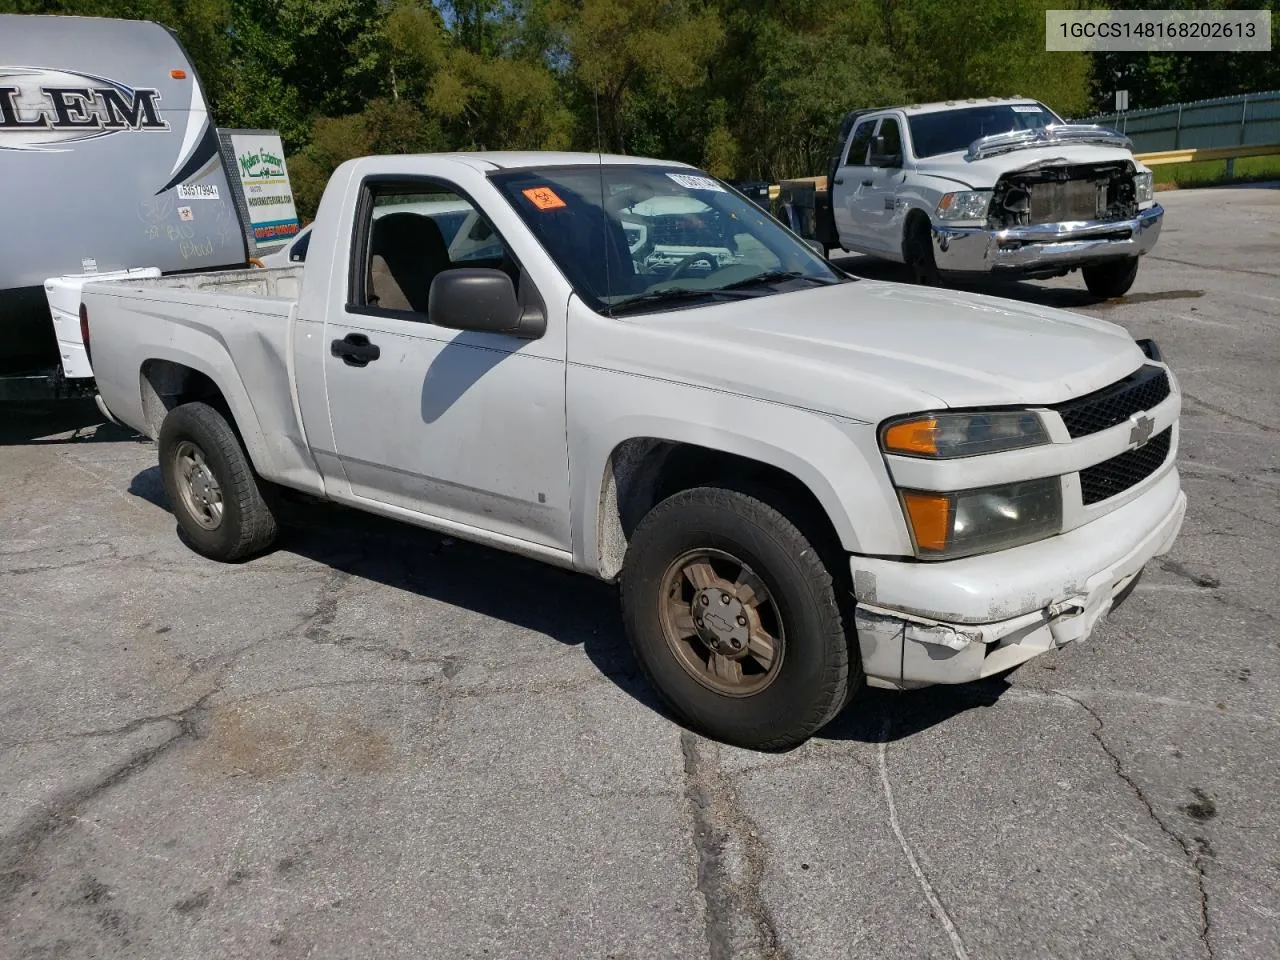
[1112,279]
[735,619]
[917,252]
[212,488]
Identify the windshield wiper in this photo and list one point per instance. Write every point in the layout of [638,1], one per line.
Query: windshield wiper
[662,296]
[775,276]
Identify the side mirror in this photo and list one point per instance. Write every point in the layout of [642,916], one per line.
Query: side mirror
[481,299]
[881,159]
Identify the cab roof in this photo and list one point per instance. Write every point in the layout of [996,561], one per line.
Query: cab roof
[486,160]
[940,106]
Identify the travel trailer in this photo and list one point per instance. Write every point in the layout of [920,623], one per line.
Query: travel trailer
[109,167]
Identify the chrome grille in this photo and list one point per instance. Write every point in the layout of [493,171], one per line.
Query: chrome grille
[1143,389]
[1111,477]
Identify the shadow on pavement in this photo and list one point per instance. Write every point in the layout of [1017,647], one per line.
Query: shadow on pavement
[568,607]
[58,422]
[877,715]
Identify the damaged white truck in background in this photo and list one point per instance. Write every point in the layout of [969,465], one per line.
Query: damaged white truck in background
[1001,187]
[803,481]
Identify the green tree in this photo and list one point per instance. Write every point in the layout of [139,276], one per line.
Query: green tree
[992,48]
[619,48]
[1156,79]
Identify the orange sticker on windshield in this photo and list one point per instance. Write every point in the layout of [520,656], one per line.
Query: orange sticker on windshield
[544,198]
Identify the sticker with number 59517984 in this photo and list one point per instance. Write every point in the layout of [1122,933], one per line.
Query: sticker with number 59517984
[544,198]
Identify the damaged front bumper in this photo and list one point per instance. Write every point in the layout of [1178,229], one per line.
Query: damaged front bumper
[1046,247]
[961,620]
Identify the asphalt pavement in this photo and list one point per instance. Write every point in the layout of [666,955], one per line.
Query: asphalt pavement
[378,743]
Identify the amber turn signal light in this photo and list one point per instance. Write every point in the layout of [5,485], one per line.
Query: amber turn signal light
[930,516]
[913,436]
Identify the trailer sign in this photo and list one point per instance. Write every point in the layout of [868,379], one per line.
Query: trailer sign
[262,186]
[43,109]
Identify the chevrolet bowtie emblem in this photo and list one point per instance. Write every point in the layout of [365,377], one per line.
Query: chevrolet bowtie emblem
[1140,433]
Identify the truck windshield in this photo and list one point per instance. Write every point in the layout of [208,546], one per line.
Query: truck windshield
[952,130]
[640,239]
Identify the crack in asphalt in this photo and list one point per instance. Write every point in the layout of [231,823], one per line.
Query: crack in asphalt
[1230,414]
[931,895]
[133,726]
[20,848]
[1194,856]
[731,904]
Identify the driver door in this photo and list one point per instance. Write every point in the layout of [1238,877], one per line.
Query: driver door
[879,206]
[847,193]
[464,426]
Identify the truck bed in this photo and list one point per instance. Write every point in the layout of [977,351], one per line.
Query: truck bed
[804,204]
[282,283]
[149,337]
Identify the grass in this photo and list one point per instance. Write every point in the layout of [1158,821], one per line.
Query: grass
[1213,172]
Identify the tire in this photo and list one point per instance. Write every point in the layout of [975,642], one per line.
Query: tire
[196,440]
[917,252]
[1112,279]
[811,674]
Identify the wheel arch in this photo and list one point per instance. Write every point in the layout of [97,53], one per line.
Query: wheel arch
[165,383]
[642,471]
[915,215]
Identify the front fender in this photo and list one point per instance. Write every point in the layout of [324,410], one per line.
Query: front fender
[837,460]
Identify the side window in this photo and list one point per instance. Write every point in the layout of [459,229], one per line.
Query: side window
[415,234]
[892,137]
[299,252]
[860,144]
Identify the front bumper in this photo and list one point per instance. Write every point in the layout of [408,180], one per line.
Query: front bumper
[961,620]
[1046,247]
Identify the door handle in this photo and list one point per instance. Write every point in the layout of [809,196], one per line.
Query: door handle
[355,350]
[839,179]
[866,183]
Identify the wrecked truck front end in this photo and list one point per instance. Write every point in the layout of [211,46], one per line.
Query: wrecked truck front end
[1053,205]
[1029,526]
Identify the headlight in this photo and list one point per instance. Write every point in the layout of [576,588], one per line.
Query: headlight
[1142,187]
[965,205]
[946,435]
[949,525]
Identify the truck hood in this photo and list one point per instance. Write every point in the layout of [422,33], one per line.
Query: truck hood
[867,350]
[982,174]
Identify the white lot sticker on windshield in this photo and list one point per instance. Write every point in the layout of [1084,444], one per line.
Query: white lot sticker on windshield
[1026,108]
[695,183]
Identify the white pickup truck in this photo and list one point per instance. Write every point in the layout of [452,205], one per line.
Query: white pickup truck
[805,482]
[1000,187]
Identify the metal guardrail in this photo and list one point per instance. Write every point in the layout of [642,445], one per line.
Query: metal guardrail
[1202,154]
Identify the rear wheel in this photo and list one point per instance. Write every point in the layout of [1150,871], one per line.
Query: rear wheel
[213,491]
[1112,279]
[735,619]
[917,252]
